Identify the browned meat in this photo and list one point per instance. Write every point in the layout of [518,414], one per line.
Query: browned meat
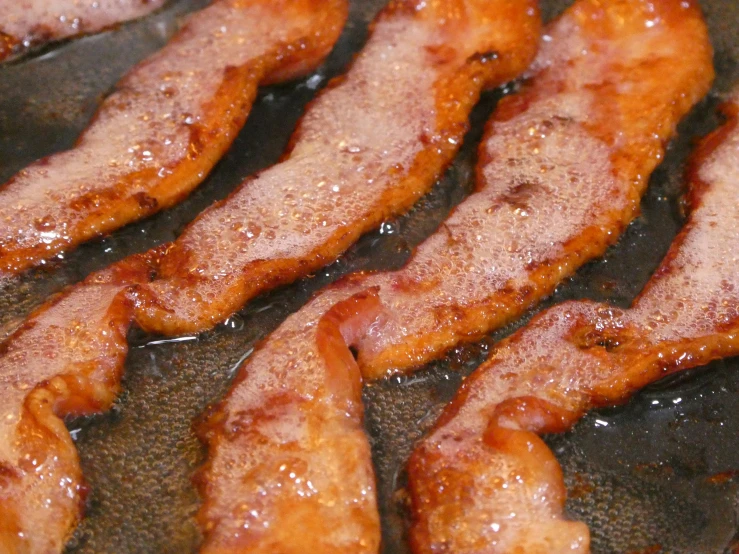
[65,360]
[366,149]
[483,481]
[287,447]
[292,471]
[168,122]
[561,172]
[591,91]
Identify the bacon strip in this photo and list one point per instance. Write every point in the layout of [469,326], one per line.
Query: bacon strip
[367,148]
[65,360]
[562,169]
[483,480]
[170,120]
[290,468]
[441,97]
[29,23]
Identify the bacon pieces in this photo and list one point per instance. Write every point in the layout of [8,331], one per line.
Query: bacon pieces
[573,150]
[483,480]
[168,122]
[543,207]
[561,172]
[367,148]
[29,23]
[331,415]
[292,470]
[286,450]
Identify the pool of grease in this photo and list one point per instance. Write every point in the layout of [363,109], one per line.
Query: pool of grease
[656,475]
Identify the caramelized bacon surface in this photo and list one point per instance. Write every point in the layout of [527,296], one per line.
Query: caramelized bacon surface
[168,122]
[483,481]
[28,23]
[367,148]
[563,166]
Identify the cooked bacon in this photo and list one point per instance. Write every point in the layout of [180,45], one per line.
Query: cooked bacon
[28,23]
[168,122]
[561,173]
[483,481]
[498,258]
[405,36]
[65,360]
[292,469]
[367,148]
[287,451]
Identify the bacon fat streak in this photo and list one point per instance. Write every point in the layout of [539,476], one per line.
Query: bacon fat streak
[168,122]
[483,481]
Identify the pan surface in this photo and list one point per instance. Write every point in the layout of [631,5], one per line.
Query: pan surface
[657,475]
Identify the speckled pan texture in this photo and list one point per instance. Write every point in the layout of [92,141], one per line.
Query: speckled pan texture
[660,474]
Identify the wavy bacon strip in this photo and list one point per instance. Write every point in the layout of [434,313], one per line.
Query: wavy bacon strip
[29,23]
[366,149]
[483,481]
[561,172]
[406,37]
[168,122]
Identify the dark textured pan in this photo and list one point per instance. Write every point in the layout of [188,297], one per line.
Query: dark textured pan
[658,475]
